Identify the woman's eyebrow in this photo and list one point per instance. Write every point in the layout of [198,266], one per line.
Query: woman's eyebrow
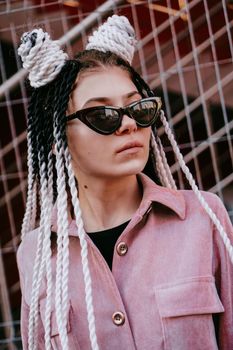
[132,93]
[98,99]
[108,99]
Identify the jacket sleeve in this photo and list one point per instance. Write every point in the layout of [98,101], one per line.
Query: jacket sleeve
[223,271]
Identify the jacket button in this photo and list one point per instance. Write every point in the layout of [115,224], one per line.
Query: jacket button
[122,248]
[118,318]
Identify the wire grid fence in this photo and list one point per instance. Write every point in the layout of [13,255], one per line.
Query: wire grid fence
[184,52]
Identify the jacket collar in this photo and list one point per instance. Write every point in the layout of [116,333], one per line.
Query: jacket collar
[152,192]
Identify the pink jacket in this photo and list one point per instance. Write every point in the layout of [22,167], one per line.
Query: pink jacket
[171,273]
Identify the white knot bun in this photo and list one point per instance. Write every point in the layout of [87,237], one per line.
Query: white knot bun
[115,35]
[41,56]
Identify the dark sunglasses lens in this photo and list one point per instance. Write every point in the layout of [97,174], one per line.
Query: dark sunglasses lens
[105,120]
[145,112]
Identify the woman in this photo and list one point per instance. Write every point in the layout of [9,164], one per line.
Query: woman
[122,263]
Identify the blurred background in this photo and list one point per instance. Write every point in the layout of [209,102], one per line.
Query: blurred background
[185,53]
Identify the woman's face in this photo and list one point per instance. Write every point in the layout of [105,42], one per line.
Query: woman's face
[99,155]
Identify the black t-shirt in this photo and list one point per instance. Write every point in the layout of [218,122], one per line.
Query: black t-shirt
[105,241]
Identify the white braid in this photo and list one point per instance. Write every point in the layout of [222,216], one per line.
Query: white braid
[61,300]
[34,207]
[30,203]
[159,163]
[115,35]
[48,203]
[32,332]
[84,253]
[165,163]
[41,56]
[194,187]
[65,256]
[43,257]
[38,270]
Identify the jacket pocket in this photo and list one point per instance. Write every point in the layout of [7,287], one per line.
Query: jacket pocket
[54,335]
[186,310]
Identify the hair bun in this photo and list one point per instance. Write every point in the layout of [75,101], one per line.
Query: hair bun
[115,35]
[41,56]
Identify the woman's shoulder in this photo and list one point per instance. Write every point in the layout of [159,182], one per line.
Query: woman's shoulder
[194,200]
[190,198]
[193,204]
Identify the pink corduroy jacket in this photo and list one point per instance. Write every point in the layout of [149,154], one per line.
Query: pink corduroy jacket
[171,277]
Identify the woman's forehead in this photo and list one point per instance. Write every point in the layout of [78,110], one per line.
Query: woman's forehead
[109,82]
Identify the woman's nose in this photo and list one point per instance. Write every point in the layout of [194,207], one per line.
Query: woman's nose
[127,126]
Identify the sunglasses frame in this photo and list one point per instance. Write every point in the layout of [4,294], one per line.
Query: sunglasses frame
[81,114]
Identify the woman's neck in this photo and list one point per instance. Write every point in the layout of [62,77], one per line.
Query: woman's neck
[108,203]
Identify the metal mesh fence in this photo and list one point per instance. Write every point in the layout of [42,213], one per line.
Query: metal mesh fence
[184,52]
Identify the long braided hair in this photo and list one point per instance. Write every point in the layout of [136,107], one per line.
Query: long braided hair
[51,178]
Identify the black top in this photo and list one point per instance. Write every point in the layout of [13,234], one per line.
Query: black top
[105,241]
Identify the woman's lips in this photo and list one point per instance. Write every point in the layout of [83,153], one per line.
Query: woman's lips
[130,147]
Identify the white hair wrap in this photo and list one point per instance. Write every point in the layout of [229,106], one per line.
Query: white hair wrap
[115,35]
[41,56]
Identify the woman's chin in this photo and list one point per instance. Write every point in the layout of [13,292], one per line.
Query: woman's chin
[130,168]
[113,170]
